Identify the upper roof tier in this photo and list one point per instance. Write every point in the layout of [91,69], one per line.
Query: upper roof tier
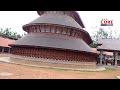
[57,18]
[73,14]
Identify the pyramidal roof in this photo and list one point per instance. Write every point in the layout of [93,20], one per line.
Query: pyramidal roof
[57,41]
[56,19]
[69,19]
[75,15]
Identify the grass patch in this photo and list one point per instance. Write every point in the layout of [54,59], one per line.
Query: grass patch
[52,68]
[89,71]
[109,70]
[62,69]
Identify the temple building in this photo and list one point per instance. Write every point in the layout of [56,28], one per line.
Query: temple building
[57,35]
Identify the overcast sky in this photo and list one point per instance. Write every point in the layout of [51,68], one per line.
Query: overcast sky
[16,19]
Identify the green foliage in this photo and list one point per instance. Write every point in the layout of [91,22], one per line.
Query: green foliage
[6,32]
[101,33]
[93,45]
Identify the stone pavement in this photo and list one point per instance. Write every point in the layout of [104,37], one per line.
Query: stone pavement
[5,73]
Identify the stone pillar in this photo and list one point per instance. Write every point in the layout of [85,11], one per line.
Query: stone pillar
[3,49]
[116,53]
[9,50]
[101,56]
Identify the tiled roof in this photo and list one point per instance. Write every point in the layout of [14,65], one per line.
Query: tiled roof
[61,21]
[76,17]
[109,44]
[5,41]
[95,50]
[53,41]
[107,53]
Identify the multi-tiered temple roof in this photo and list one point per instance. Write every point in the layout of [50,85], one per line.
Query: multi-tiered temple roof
[58,35]
[56,29]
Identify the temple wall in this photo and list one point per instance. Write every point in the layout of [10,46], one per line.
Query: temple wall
[54,54]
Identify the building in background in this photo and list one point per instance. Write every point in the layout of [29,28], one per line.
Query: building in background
[4,42]
[110,45]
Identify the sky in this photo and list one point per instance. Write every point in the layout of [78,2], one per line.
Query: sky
[91,19]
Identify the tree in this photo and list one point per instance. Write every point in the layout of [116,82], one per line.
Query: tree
[19,36]
[1,31]
[6,32]
[101,33]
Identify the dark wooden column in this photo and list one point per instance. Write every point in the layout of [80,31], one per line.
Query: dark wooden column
[101,56]
[114,57]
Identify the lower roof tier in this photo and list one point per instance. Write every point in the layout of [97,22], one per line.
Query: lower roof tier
[56,41]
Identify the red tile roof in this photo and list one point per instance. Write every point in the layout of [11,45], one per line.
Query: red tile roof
[95,50]
[107,53]
[5,41]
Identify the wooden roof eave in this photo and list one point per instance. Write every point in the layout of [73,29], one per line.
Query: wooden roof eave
[53,48]
[109,50]
[85,32]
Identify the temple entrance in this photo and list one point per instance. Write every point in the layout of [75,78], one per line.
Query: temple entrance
[108,58]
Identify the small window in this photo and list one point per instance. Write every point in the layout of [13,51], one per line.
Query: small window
[76,34]
[58,30]
[42,29]
[68,32]
[64,32]
[38,29]
[52,29]
[47,29]
[73,33]
[119,53]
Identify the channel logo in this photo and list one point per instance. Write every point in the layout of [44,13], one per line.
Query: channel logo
[105,22]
